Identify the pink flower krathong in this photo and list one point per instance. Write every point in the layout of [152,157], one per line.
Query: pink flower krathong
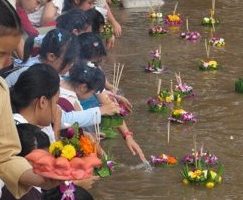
[192,36]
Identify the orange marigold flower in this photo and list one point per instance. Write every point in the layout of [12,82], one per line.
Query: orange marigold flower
[86,145]
[172,160]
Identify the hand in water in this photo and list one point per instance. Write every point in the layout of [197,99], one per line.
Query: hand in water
[135,148]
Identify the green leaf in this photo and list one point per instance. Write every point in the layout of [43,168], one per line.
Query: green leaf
[103,172]
[110,133]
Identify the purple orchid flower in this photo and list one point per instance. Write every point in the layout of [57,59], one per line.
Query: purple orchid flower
[67,189]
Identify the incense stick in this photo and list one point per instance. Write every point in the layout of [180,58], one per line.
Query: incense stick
[207,47]
[159,86]
[195,149]
[171,87]
[213,5]
[114,77]
[168,132]
[118,70]
[119,77]
[175,8]
[160,50]
[187,24]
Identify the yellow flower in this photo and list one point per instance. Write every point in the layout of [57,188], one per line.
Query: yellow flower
[169,99]
[174,18]
[56,146]
[191,174]
[213,63]
[198,173]
[210,185]
[68,152]
[178,112]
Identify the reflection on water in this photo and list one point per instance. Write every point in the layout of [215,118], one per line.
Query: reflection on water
[217,106]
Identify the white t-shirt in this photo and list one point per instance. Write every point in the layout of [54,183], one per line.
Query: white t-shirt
[36,16]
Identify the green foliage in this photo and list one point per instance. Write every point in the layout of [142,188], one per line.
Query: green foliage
[239,85]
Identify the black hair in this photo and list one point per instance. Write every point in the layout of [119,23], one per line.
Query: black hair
[9,19]
[91,46]
[55,194]
[28,46]
[83,73]
[96,18]
[70,4]
[39,80]
[31,137]
[73,19]
[60,42]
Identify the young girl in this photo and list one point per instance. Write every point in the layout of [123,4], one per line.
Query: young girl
[102,7]
[74,21]
[34,97]
[59,49]
[17,179]
[83,82]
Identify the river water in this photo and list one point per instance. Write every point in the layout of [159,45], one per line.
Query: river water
[217,106]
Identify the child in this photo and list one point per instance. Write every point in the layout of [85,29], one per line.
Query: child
[102,7]
[31,137]
[74,21]
[59,48]
[34,97]
[85,80]
[17,180]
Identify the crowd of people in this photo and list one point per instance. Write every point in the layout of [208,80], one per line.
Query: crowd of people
[50,81]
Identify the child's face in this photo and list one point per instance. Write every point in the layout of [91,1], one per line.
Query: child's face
[88,4]
[8,44]
[47,110]
[31,5]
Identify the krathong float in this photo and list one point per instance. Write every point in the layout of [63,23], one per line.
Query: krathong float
[173,19]
[73,157]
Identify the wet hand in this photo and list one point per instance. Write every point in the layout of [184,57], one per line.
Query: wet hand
[135,148]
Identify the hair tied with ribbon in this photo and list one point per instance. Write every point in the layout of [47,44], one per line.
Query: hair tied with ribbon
[59,37]
[96,44]
[67,189]
[90,64]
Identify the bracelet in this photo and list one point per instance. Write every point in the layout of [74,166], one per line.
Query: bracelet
[126,134]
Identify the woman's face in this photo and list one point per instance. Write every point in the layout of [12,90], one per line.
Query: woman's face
[8,44]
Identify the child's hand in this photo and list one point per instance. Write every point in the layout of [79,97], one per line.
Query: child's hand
[135,148]
[86,183]
[123,100]
[110,43]
[117,28]
[109,109]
